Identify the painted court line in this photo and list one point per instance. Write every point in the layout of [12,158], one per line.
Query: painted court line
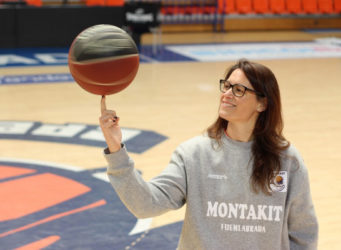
[54,217]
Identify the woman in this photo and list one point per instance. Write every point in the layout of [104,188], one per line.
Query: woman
[245,187]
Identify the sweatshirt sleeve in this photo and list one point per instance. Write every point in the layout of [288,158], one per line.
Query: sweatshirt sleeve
[302,221]
[147,199]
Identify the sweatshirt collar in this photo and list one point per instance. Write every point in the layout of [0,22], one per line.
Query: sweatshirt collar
[236,144]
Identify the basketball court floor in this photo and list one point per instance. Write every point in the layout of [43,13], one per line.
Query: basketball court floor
[54,193]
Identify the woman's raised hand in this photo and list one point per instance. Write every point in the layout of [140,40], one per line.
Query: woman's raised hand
[109,124]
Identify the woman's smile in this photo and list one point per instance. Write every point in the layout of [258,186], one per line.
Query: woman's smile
[227,104]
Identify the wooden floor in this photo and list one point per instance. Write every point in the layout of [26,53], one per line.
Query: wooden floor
[180,100]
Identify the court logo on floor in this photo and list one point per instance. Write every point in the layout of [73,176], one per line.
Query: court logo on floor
[51,206]
[136,140]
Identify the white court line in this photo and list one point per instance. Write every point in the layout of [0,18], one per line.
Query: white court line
[42,163]
[141,226]
[148,59]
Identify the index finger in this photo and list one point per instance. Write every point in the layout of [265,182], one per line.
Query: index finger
[103,105]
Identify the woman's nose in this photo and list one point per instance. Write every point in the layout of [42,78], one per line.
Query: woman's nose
[228,93]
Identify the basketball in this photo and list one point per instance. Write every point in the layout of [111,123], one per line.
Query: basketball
[103,59]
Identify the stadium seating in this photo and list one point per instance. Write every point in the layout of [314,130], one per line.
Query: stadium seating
[95,2]
[277,6]
[114,2]
[261,6]
[325,6]
[244,6]
[337,6]
[226,6]
[294,6]
[37,3]
[195,10]
[310,6]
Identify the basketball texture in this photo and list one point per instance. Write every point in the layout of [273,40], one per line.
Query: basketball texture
[103,59]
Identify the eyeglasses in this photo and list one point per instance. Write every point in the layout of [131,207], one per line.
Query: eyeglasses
[238,90]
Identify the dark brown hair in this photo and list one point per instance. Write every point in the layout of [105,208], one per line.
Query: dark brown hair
[268,140]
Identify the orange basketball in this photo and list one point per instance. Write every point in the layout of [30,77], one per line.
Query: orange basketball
[103,59]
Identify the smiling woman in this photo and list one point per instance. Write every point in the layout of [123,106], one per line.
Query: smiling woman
[252,111]
[238,102]
[245,148]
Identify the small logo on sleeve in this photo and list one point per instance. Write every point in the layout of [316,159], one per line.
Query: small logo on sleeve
[280,182]
[217,176]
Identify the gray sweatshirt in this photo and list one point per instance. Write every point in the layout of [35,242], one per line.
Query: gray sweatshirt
[222,211]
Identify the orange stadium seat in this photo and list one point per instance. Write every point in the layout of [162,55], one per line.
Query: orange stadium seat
[337,6]
[169,10]
[326,6]
[294,6]
[244,6]
[209,9]
[95,2]
[37,3]
[261,6]
[226,6]
[310,6]
[114,2]
[277,6]
[190,10]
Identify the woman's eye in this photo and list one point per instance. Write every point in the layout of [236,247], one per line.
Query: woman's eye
[227,86]
[239,89]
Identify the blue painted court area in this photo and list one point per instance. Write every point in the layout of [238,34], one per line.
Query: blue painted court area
[92,218]
[322,30]
[77,208]
[31,57]
[59,56]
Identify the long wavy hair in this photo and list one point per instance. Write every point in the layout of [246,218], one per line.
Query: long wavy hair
[268,139]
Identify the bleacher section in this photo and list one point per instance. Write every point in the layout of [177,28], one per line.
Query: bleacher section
[193,10]
[228,15]
[251,14]
[224,15]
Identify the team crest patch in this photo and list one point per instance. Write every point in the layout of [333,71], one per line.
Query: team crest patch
[280,182]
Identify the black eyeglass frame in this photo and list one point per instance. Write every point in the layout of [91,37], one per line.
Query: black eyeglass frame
[222,85]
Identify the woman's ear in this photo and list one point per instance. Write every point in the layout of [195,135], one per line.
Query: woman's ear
[262,105]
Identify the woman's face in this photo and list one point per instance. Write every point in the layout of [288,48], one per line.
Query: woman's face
[243,109]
